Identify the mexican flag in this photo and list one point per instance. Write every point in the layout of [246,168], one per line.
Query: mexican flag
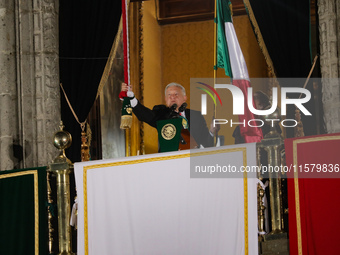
[230,57]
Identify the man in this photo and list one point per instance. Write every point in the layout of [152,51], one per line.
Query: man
[175,99]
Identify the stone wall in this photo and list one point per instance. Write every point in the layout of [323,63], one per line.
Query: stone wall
[29,82]
[329,29]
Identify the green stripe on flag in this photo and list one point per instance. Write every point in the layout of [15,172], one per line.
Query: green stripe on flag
[223,15]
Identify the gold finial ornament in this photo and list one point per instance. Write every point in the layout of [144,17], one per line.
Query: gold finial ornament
[62,140]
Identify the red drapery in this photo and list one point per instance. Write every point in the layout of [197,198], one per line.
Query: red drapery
[314,194]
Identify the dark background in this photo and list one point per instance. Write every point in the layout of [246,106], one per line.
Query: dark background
[86,33]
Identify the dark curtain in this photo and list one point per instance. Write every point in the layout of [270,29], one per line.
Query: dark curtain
[285,29]
[86,33]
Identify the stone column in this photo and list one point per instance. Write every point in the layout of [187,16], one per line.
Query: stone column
[46,75]
[30,100]
[329,28]
[8,89]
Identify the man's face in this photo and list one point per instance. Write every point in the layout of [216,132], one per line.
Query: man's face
[174,95]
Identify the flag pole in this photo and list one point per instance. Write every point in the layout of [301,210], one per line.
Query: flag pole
[215,62]
[125,4]
[125,11]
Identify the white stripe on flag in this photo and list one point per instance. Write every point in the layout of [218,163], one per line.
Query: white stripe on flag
[237,62]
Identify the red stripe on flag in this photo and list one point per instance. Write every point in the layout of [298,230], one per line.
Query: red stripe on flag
[250,134]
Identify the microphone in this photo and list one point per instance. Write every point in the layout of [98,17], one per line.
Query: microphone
[173,114]
[182,107]
[173,107]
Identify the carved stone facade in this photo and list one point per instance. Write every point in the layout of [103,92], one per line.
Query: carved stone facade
[329,28]
[29,82]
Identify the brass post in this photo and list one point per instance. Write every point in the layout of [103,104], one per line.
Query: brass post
[260,195]
[260,208]
[49,214]
[273,145]
[61,167]
[275,185]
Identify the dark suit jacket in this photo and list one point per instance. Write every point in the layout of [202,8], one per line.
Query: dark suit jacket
[197,125]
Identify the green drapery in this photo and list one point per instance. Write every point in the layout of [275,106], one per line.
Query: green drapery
[23,215]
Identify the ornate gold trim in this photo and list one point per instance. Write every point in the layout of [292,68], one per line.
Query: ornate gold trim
[296,182]
[86,236]
[132,162]
[36,203]
[134,143]
[297,211]
[259,37]
[141,74]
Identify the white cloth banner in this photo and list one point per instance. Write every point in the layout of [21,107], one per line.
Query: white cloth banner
[149,205]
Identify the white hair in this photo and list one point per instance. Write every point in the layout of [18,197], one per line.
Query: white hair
[176,85]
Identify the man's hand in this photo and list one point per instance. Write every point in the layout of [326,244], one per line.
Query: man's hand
[126,91]
[124,87]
